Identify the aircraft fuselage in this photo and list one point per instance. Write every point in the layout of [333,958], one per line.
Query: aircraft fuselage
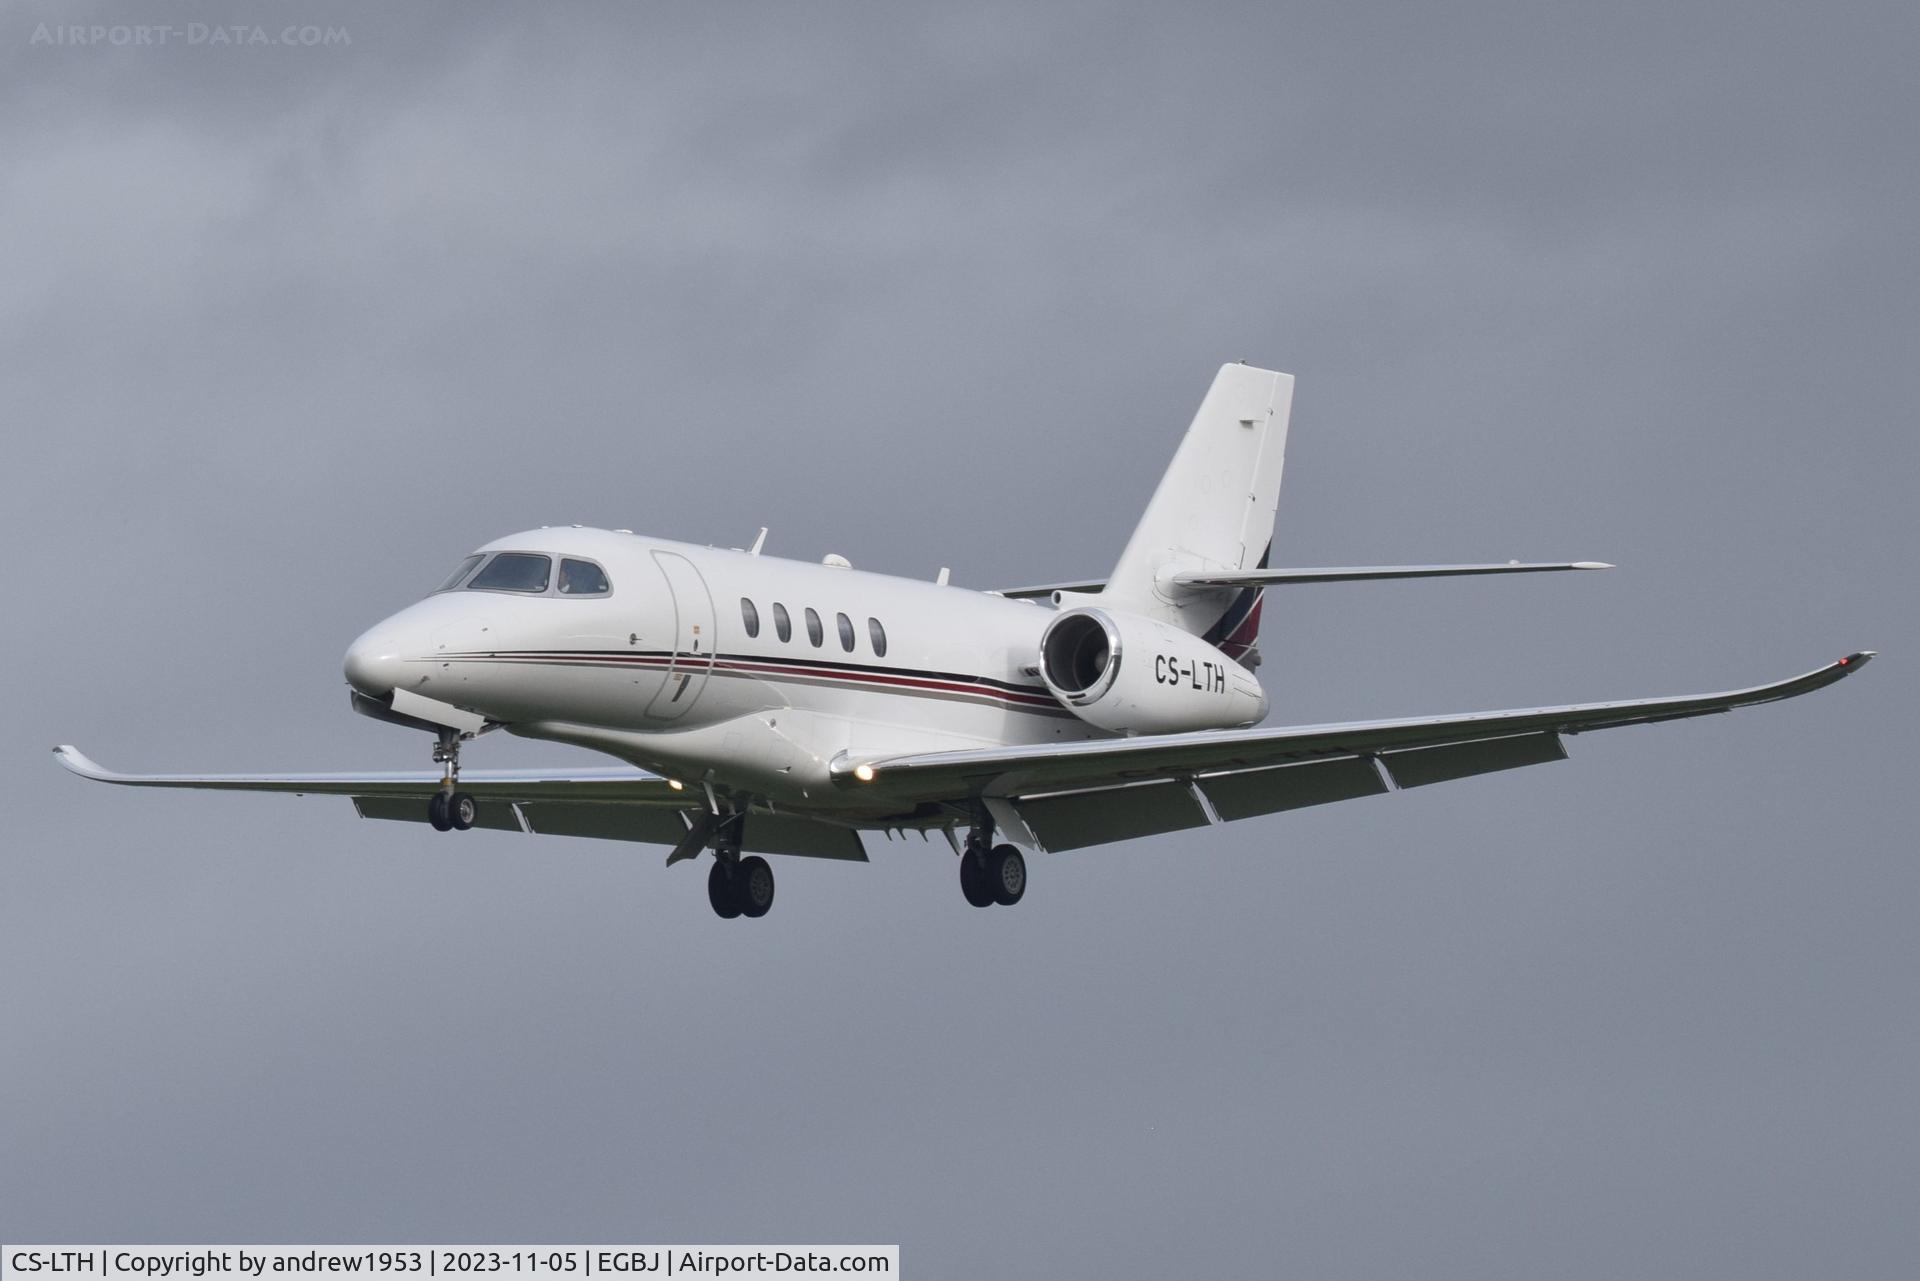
[711,664]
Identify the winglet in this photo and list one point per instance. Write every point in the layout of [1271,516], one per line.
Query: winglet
[80,763]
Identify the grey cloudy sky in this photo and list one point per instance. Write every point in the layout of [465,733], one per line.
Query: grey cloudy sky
[285,331]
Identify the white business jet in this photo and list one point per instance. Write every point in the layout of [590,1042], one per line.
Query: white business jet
[766,706]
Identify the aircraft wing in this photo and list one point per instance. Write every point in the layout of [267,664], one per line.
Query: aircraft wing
[612,803]
[1089,792]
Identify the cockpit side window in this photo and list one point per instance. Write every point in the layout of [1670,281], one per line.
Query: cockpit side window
[513,572]
[583,578]
[466,567]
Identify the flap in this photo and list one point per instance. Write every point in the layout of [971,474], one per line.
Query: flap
[497,815]
[785,834]
[1420,766]
[1290,787]
[1073,820]
[645,823]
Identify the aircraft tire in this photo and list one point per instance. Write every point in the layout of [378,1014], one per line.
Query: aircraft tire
[755,884]
[973,881]
[723,891]
[462,809]
[1007,874]
[437,812]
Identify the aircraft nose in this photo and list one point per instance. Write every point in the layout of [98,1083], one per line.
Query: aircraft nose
[374,661]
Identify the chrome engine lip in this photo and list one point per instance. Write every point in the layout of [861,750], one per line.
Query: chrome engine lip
[1095,691]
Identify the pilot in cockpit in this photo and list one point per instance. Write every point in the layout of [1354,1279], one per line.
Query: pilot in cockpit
[582,578]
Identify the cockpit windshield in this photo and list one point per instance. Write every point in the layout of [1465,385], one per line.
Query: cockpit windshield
[530,573]
[582,578]
[466,567]
[513,572]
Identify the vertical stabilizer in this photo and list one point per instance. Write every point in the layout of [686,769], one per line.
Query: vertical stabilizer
[1213,510]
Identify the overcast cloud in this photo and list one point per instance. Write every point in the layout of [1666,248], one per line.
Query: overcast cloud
[286,331]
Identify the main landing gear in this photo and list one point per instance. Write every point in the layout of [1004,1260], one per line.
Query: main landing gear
[740,887]
[737,886]
[991,873]
[450,809]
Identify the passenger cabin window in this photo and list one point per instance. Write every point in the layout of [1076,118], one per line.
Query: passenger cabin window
[583,578]
[846,632]
[878,635]
[814,633]
[782,624]
[513,572]
[466,567]
[751,617]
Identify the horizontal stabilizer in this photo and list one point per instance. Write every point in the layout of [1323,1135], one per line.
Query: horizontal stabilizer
[1281,577]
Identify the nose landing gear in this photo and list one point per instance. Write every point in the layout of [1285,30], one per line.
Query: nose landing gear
[450,809]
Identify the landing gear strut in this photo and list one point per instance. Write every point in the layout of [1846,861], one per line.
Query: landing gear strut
[737,886]
[450,809]
[991,873]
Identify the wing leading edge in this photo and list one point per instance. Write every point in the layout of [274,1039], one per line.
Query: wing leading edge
[1090,792]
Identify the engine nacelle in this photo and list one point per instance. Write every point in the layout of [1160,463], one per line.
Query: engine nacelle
[1136,675]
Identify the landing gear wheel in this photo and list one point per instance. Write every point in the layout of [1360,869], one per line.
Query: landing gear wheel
[754,881]
[461,809]
[1007,874]
[973,880]
[437,812]
[723,890]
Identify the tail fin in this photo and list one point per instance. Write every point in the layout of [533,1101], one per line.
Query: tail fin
[1213,510]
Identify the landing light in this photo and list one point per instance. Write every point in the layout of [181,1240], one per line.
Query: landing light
[863,772]
[676,785]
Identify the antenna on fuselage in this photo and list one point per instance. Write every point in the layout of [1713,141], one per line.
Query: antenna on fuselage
[759,542]
[944,575]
